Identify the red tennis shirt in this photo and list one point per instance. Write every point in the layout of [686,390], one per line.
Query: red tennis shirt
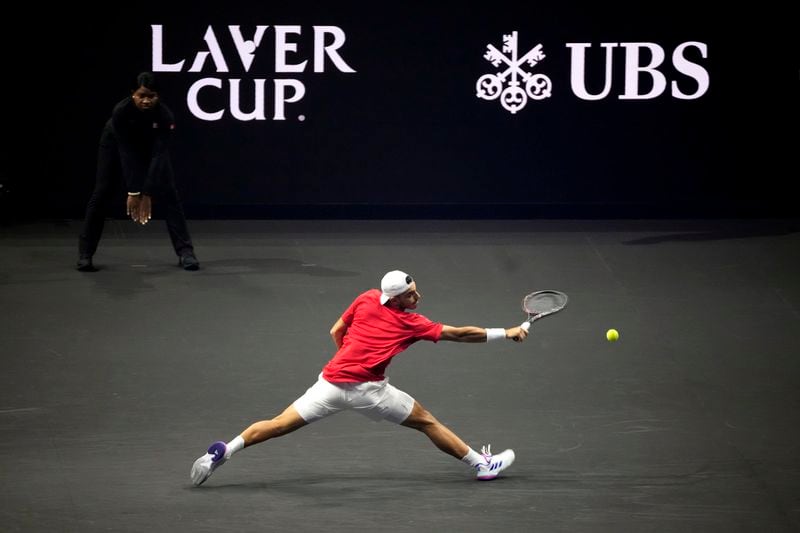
[375,334]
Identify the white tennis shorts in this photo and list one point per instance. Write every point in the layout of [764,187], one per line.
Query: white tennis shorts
[377,400]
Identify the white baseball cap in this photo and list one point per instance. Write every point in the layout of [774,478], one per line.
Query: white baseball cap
[393,284]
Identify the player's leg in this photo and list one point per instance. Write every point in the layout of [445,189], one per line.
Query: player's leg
[487,465]
[219,452]
[286,422]
[320,400]
[383,401]
[422,420]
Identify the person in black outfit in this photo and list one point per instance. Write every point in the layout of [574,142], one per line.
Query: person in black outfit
[134,150]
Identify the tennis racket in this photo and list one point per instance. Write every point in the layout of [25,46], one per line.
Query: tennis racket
[540,304]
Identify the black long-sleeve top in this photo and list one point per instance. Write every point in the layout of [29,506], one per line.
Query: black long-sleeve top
[143,139]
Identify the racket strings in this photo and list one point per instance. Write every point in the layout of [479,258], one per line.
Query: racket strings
[544,302]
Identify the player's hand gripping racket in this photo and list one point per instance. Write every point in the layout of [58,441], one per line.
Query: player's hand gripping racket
[540,304]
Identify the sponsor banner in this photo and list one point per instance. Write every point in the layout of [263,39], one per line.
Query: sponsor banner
[525,109]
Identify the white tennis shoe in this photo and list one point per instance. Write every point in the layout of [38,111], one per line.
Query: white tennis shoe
[494,463]
[205,465]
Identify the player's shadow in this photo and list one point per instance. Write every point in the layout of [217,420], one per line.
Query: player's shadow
[270,265]
[388,484]
[744,232]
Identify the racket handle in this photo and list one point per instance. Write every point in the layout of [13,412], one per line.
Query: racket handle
[525,325]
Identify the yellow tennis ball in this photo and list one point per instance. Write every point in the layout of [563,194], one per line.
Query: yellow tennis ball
[612,335]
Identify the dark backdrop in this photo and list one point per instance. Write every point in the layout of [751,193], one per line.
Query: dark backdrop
[405,135]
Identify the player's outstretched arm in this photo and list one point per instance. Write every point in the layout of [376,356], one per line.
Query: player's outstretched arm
[477,334]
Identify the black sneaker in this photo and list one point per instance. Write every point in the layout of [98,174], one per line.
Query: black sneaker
[189,262]
[85,264]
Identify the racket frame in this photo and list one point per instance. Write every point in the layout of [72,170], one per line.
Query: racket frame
[532,317]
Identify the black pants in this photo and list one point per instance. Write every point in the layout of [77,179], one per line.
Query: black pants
[108,186]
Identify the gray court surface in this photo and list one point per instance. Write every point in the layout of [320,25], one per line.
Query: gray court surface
[114,382]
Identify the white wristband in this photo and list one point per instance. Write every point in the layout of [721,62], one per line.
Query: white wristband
[493,334]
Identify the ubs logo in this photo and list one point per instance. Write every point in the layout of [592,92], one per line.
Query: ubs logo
[506,83]
[515,85]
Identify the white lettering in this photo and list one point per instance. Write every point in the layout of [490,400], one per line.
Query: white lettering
[320,50]
[258,108]
[633,69]
[578,70]
[158,53]
[194,106]
[282,48]
[216,54]
[280,98]
[247,49]
[298,90]
[693,70]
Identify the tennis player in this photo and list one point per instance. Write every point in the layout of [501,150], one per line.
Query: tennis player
[376,326]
